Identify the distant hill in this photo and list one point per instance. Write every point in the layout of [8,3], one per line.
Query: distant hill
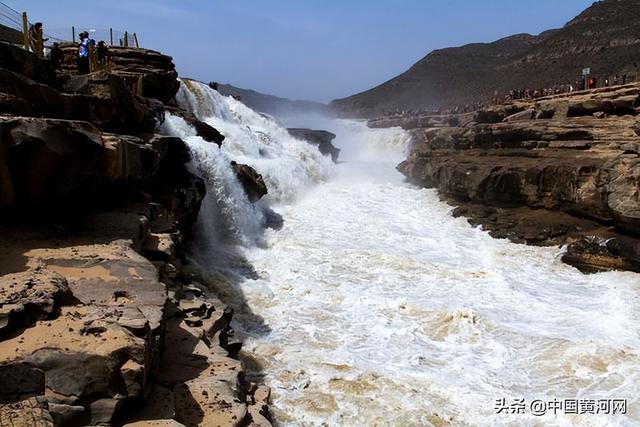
[605,37]
[270,104]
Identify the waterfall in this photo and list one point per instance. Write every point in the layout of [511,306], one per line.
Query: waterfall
[288,166]
[372,305]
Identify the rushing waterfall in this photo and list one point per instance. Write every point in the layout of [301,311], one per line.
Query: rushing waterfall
[286,164]
[382,308]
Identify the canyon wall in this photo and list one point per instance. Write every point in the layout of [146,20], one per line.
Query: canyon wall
[556,170]
[100,324]
[604,37]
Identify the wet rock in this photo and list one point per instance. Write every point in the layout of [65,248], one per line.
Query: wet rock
[203,130]
[591,254]
[251,181]
[321,138]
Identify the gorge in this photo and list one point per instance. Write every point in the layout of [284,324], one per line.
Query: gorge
[170,256]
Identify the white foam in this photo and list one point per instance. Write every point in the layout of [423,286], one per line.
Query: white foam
[433,318]
[386,310]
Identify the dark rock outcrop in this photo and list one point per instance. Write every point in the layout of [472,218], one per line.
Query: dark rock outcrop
[203,130]
[251,181]
[18,60]
[88,292]
[543,178]
[112,105]
[95,209]
[321,138]
[10,35]
[146,72]
[65,154]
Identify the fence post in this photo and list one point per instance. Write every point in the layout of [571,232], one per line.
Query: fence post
[140,85]
[111,35]
[135,38]
[73,34]
[92,58]
[25,30]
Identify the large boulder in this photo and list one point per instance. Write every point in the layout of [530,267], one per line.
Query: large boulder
[114,107]
[251,181]
[321,138]
[151,73]
[203,130]
[496,114]
[30,296]
[46,160]
[18,60]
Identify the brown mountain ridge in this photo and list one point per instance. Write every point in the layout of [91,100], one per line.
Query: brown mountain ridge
[605,37]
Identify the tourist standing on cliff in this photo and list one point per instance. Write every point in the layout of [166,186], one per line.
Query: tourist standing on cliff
[83,53]
[36,38]
[56,58]
[101,53]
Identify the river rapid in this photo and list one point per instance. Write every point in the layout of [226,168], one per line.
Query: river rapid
[372,305]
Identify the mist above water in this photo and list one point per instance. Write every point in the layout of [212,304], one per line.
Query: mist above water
[383,309]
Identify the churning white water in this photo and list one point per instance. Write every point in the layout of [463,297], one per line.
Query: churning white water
[382,309]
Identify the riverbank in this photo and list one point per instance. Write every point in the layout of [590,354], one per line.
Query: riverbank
[384,309]
[100,322]
[552,171]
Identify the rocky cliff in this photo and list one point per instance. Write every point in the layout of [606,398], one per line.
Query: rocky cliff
[147,72]
[321,138]
[99,322]
[605,37]
[563,169]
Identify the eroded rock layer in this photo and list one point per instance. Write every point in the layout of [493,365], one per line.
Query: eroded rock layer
[100,324]
[555,170]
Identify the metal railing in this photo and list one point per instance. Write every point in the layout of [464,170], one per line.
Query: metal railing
[19,22]
[110,36]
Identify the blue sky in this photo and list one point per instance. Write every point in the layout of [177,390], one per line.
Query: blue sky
[304,49]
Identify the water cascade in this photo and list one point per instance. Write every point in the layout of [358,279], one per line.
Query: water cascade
[382,308]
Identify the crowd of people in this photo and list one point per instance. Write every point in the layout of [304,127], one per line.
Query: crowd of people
[457,109]
[89,51]
[90,56]
[585,83]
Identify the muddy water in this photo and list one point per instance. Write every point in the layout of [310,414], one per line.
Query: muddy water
[383,309]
